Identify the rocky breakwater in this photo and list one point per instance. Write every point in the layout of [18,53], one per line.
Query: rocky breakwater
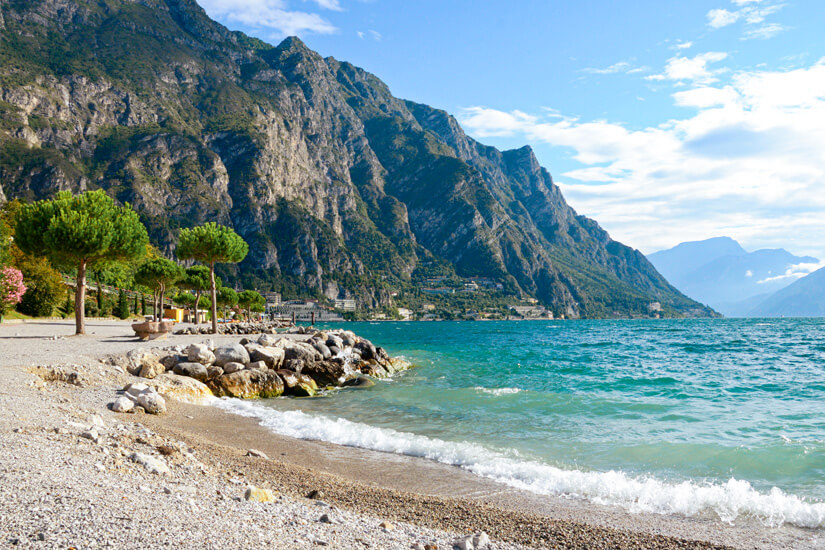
[262,327]
[269,366]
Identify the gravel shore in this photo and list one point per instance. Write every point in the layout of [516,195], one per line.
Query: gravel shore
[75,474]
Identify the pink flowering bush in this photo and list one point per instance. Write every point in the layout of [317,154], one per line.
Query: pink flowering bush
[11,288]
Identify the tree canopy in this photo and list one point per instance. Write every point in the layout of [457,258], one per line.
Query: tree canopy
[210,244]
[159,275]
[79,231]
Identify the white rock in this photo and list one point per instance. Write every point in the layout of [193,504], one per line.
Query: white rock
[123,404]
[481,540]
[199,353]
[135,388]
[152,402]
[96,421]
[154,465]
[256,453]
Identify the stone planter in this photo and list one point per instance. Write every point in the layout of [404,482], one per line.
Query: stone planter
[150,330]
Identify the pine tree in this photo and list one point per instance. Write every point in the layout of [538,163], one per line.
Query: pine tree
[81,231]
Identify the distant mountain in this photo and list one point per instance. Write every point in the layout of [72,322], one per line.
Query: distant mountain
[684,258]
[720,273]
[803,298]
[339,187]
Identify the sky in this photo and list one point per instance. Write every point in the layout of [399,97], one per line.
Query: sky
[666,121]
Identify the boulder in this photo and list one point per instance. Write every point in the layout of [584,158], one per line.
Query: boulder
[152,402]
[323,350]
[181,388]
[302,351]
[257,365]
[170,361]
[192,370]
[151,368]
[295,365]
[267,340]
[232,353]
[335,350]
[273,357]
[298,384]
[366,349]
[334,340]
[372,368]
[213,372]
[328,373]
[135,388]
[231,367]
[200,353]
[123,404]
[136,358]
[360,382]
[248,384]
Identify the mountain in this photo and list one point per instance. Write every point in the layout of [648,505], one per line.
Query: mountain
[720,273]
[684,258]
[803,298]
[338,186]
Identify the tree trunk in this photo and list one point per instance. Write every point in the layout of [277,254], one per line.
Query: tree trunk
[160,310]
[80,299]
[197,307]
[214,307]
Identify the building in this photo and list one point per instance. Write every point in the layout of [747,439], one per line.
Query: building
[346,304]
[406,314]
[440,290]
[305,311]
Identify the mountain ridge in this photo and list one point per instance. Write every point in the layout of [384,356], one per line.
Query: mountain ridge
[338,186]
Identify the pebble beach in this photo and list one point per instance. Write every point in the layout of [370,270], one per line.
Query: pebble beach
[75,474]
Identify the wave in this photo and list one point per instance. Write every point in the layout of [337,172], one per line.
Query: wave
[728,501]
[497,391]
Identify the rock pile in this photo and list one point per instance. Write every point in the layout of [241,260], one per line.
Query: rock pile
[270,366]
[263,327]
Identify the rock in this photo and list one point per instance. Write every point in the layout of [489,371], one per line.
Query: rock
[181,388]
[213,372]
[323,350]
[260,365]
[135,389]
[273,357]
[192,370]
[170,361]
[333,340]
[232,353]
[257,454]
[328,373]
[481,541]
[294,365]
[123,404]
[315,494]
[166,450]
[137,358]
[232,366]
[152,402]
[248,384]
[151,368]
[200,353]
[154,465]
[92,435]
[372,368]
[267,340]
[255,494]
[367,350]
[325,519]
[386,526]
[300,350]
[477,541]
[335,350]
[296,384]
[359,382]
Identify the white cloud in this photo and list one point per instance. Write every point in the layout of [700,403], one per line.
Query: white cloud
[273,16]
[683,45]
[748,163]
[695,69]
[333,5]
[719,18]
[794,272]
[764,32]
[620,67]
[753,13]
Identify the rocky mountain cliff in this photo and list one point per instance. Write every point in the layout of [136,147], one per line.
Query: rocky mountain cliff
[338,186]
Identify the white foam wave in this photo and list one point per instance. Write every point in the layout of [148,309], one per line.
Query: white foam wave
[497,391]
[729,501]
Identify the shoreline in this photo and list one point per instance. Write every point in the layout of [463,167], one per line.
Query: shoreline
[395,487]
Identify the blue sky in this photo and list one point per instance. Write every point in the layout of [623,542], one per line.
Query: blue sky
[665,121]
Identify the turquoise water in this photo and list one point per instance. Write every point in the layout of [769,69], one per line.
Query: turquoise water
[719,417]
